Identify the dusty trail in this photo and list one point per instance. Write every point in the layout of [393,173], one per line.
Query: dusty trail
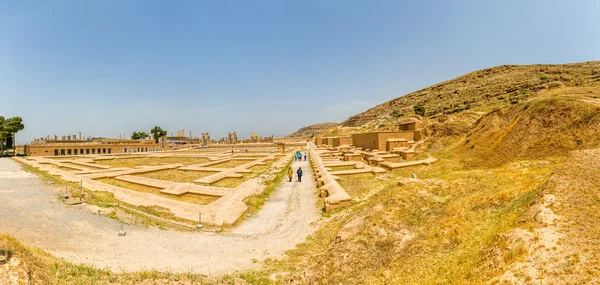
[31,213]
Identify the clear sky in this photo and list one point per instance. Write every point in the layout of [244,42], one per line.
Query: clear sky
[113,66]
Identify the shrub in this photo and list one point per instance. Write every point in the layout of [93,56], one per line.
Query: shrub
[397,114]
[419,110]
[544,78]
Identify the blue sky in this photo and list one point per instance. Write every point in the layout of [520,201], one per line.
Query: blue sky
[113,67]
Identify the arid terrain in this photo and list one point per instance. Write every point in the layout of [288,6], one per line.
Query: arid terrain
[514,198]
[312,130]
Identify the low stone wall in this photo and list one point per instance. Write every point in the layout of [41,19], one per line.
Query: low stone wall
[335,195]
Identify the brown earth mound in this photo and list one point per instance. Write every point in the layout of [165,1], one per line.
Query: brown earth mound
[550,125]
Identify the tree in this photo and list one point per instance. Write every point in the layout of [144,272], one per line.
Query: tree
[3,133]
[139,135]
[8,128]
[419,110]
[157,132]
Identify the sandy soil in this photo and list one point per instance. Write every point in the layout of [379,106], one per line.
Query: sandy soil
[562,247]
[31,213]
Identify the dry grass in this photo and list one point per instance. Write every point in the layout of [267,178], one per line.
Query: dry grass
[230,182]
[482,90]
[574,185]
[43,268]
[65,168]
[256,202]
[235,182]
[447,223]
[231,163]
[257,169]
[358,186]
[189,198]
[450,228]
[106,200]
[251,155]
[64,158]
[338,168]
[80,166]
[176,175]
[547,125]
[150,161]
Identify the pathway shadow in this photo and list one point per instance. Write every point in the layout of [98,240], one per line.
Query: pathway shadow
[5,256]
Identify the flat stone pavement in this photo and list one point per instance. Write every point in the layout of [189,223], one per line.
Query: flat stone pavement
[30,212]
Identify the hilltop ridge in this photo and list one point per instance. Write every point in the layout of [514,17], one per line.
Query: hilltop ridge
[484,89]
[312,130]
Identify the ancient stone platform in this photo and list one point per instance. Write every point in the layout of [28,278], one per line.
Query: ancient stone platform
[225,210]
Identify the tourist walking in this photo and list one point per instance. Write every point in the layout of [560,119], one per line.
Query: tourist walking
[290,174]
[299,172]
[305,156]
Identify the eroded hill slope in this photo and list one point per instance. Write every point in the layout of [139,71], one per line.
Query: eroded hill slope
[505,210]
[483,90]
[552,124]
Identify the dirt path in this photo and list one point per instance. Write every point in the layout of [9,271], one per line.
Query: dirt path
[31,213]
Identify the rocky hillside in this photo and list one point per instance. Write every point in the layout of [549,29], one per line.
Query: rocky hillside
[551,124]
[482,90]
[311,131]
[512,199]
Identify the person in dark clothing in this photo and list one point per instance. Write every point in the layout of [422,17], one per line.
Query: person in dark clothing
[305,156]
[299,172]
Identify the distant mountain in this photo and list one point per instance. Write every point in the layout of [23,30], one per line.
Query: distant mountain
[312,130]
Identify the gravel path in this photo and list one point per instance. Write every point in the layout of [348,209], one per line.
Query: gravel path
[31,213]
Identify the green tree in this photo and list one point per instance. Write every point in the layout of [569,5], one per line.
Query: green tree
[157,132]
[8,128]
[139,135]
[3,133]
[419,110]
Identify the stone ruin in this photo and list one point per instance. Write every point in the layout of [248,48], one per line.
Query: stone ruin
[397,151]
[227,207]
[206,139]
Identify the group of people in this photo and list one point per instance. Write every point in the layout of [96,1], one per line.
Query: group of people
[298,156]
[298,173]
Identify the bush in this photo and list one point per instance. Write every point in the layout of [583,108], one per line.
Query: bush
[419,110]
[544,78]
[397,114]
